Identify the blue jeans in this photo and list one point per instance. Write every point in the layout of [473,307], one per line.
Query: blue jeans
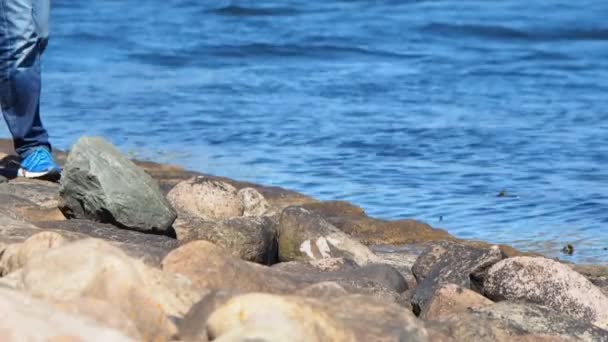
[24,32]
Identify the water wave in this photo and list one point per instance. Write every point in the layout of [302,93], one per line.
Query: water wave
[508,33]
[241,11]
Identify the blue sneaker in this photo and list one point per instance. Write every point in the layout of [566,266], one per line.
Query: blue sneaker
[39,164]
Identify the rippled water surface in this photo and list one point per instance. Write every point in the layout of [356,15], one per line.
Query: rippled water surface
[423,109]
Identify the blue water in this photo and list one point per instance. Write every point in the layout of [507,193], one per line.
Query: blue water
[422,109]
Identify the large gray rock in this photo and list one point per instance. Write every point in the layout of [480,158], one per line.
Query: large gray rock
[304,236]
[449,262]
[100,184]
[550,283]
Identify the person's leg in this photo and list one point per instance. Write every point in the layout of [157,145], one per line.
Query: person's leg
[23,37]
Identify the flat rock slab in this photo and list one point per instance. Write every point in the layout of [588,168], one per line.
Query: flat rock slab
[516,321]
[99,183]
[148,247]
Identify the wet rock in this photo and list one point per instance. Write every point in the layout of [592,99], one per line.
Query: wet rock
[249,238]
[451,298]
[148,247]
[16,256]
[211,267]
[100,184]
[349,318]
[254,203]
[29,319]
[449,262]
[206,198]
[303,236]
[550,283]
[509,321]
[94,269]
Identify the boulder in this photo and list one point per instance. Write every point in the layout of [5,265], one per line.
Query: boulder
[303,236]
[100,184]
[211,267]
[512,321]
[254,203]
[450,262]
[451,298]
[206,198]
[402,258]
[17,255]
[249,238]
[283,318]
[94,269]
[550,283]
[28,319]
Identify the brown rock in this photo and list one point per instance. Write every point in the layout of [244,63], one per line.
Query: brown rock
[17,255]
[347,318]
[210,267]
[94,269]
[102,313]
[206,198]
[550,283]
[304,236]
[28,319]
[451,298]
[42,194]
[249,238]
[13,230]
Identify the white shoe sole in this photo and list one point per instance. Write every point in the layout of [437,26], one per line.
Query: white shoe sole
[34,175]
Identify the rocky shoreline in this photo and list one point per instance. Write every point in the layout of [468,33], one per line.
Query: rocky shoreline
[149,252]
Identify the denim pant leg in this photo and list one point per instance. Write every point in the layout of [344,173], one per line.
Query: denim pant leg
[23,37]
